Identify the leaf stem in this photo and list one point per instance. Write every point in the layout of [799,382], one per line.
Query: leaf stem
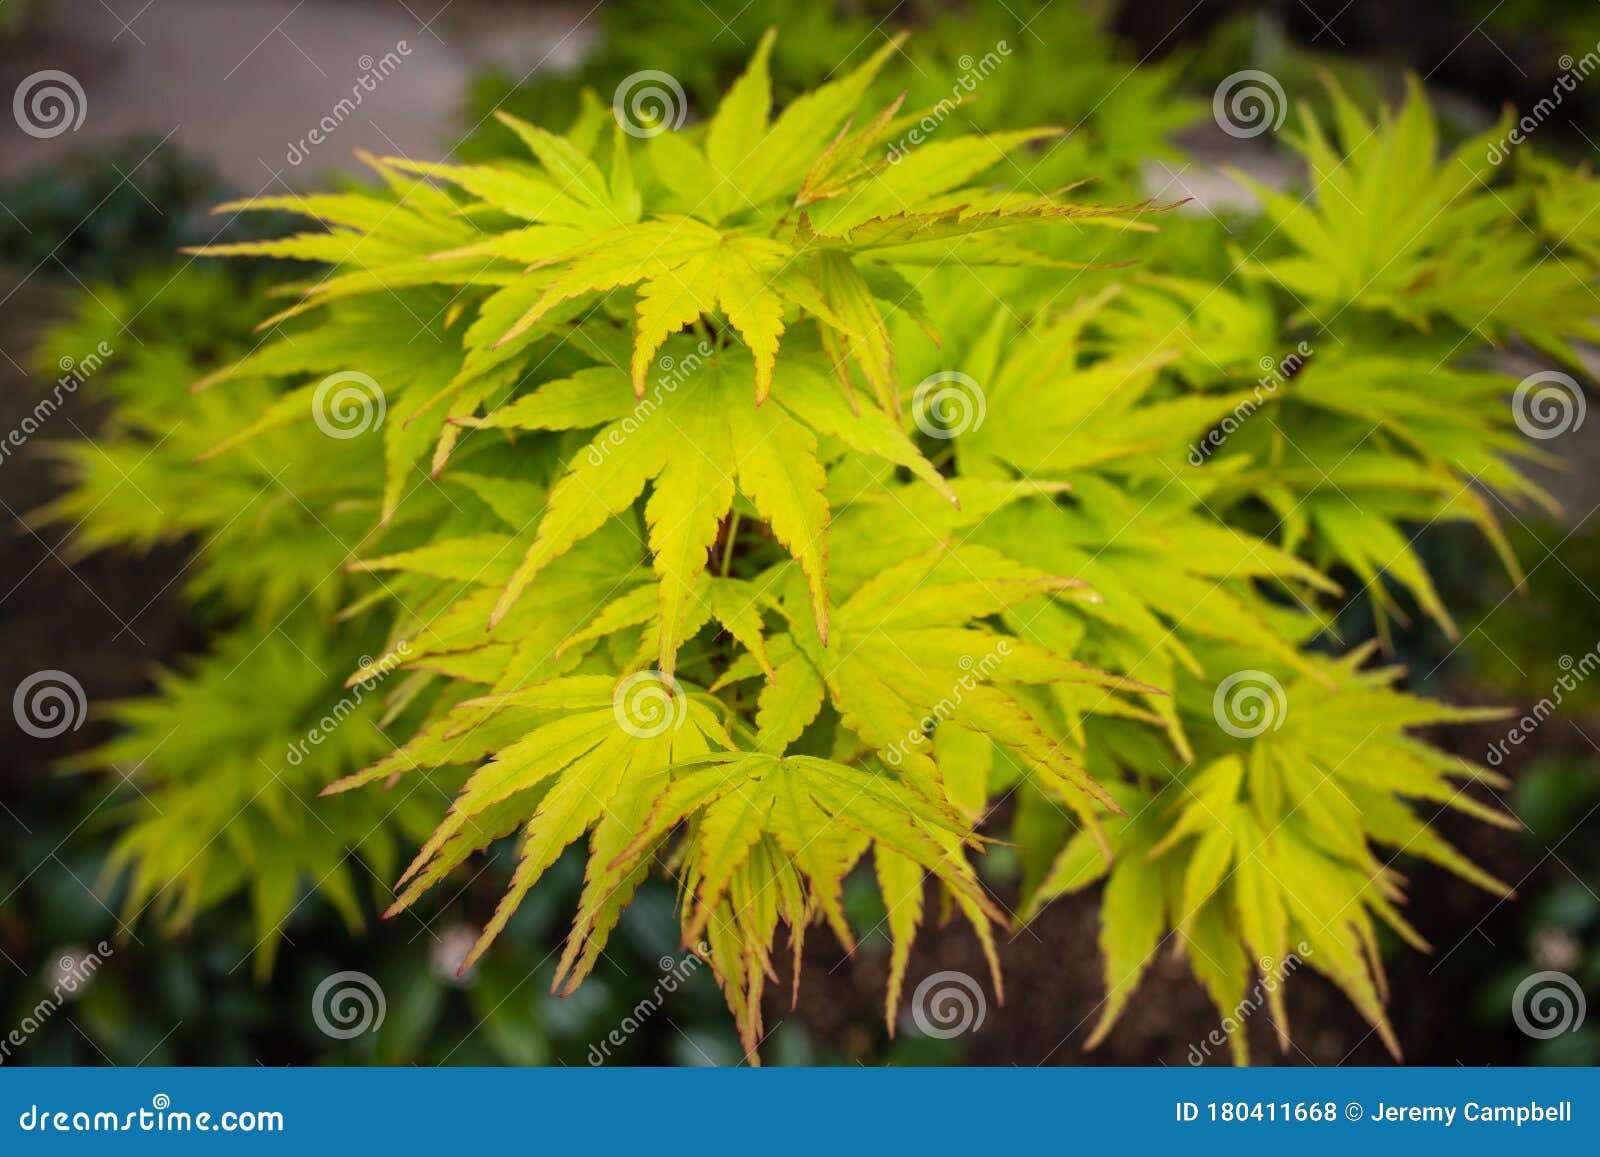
[727,546]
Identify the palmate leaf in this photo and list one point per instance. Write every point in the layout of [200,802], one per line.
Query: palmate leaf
[226,758]
[274,523]
[583,748]
[394,397]
[1100,409]
[907,655]
[696,447]
[697,443]
[446,632]
[912,652]
[1278,846]
[1219,331]
[1350,456]
[1392,226]
[734,222]
[772,837]
[687,269]
[1168,580]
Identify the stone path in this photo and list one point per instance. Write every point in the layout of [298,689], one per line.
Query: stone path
[280,89]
